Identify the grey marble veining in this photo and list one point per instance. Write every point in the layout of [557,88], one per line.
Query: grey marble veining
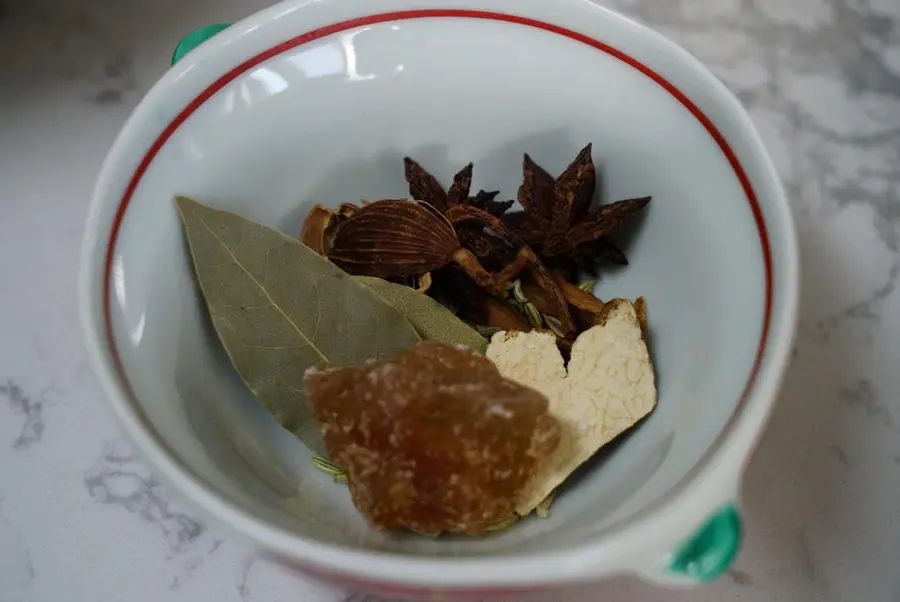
[82,519]
[118,480]
[31,411]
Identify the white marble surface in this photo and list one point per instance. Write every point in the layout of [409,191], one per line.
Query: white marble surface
[80,520]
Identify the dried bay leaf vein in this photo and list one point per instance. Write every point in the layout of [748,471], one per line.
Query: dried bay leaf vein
[262,287]
[265,293]
[315,286]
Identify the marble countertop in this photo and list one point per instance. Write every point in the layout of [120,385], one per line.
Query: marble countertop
[81,520]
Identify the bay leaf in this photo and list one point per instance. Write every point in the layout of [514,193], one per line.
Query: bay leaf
[431,320]
[279,308]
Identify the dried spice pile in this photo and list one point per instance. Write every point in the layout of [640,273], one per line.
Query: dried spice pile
[440,355]
[497,269]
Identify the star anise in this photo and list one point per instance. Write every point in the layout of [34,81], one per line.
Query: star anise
[557,221]
[483,233]
[424,187]
[485,200]
[492,250]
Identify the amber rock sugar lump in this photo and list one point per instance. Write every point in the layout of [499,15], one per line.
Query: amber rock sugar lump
[435,440]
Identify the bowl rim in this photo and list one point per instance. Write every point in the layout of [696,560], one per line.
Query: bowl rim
[636,533]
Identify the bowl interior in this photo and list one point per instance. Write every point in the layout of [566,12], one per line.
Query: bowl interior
[329,121]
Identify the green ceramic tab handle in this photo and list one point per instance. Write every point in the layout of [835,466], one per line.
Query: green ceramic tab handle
[710,551]
[195,38]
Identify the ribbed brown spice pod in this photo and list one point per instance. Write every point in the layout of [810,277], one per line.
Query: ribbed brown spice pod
[394,239]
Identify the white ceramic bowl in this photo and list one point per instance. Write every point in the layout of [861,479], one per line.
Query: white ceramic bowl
[311,102]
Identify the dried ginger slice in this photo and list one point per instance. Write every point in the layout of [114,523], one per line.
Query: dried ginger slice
[609,386]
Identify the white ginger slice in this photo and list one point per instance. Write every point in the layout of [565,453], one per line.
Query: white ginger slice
[609,386]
